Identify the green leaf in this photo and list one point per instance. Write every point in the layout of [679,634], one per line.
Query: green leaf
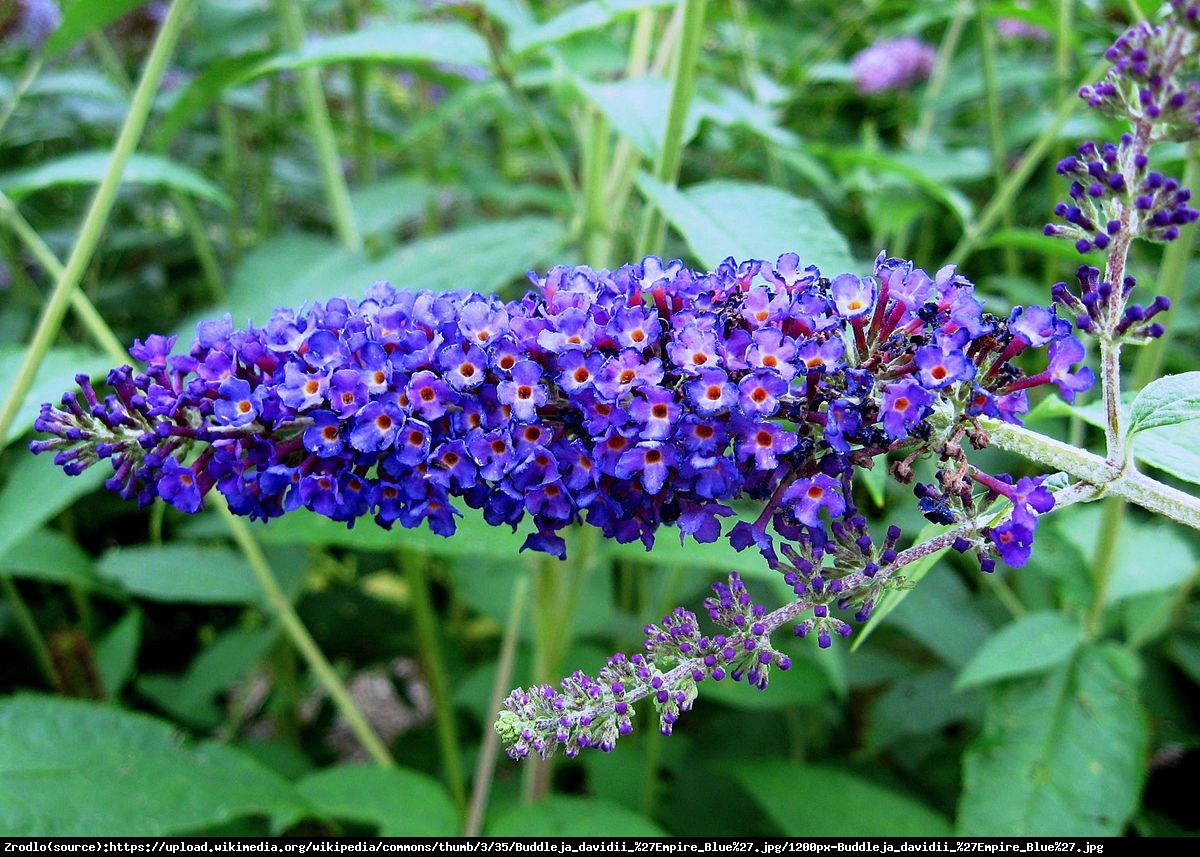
[295,269]
[1174,449]
[1032,644]
[49,556]
[918,704]
[942,614]
[412,41]
[577,19]
[818,802]
[35,492]
[891,598]
[183,574]
[1060,755]
[637,108]
[399,802]
[190,697]
[116,653]
[385,205]
[724,218]
[559,816]
[82,17]
[1167,401]
[203,90]
[120,772]
[87,168]
[1151,556]
[55,376]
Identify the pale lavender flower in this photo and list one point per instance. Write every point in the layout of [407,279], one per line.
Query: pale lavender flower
[892,64]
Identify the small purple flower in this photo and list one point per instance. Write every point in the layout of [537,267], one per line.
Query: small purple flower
[657,411]
[324,436]
[523,393]
[465,368]
[853,296]
[938,368]
[805,498]
[759,393]
[301,390]
[765,442]
[693,350]
[236,407]
[178,487]
[904,404]
[1014,540]
[652,460]
[375,426]
[347,392]
[428,395]
[711,392]
[1063,355]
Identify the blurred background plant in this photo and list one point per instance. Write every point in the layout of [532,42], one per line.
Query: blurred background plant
[167,163]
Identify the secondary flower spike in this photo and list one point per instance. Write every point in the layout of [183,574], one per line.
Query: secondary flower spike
[631,398]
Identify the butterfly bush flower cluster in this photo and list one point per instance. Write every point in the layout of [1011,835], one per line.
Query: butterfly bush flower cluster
[627,399]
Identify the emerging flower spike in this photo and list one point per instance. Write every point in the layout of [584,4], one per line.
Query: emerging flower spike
[631,398]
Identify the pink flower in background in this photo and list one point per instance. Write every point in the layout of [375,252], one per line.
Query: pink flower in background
[892,64]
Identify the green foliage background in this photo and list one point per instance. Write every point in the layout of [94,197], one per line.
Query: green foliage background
[300,150]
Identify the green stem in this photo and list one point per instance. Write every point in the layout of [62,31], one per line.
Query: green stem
[558,161]
[97,215]
[426,627]
[596,222]
[626,158]
[486,767]
[202,244]
[1111,521]
[302,640]
[268,128]
[82,307]
[360,77]
[941,69]
[670,156]
[30,631]
[111,61]
[1016,180]
[316,113]
[28,74]
[987,63]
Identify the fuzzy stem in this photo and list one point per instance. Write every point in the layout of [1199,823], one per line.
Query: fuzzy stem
[426,627]
[316,113]
[486,768]
[293,626]
[97,215]
[1129,484]
[670,156]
